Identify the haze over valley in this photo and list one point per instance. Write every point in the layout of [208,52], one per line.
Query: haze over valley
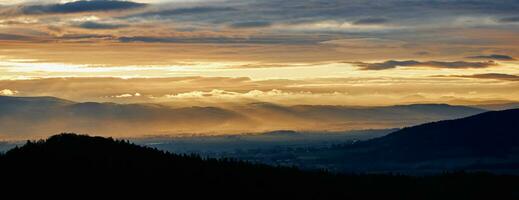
[48,115]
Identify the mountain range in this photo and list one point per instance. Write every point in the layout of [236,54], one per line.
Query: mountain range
[37,117]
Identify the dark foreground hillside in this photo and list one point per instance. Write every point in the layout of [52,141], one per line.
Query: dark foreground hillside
[487,141]
[83,162]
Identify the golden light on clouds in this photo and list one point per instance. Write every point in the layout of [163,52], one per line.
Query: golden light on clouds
[334,53]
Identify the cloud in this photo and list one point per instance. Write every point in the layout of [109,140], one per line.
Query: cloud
[391,64]
[85,37]
[8,92]
[217,93]
[4,36]
[310,19]
[100,26]
[509,19]
[367,43]
[493,57]
[359,12]
[495,76]
[204,91]
[371,21]
[422,53]
[80,6]
[271,39]
[127,95]
[160,14]
[283,22]
[251,24]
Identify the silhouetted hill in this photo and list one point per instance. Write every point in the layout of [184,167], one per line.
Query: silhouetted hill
[488,134]
[484,140]
[78,162]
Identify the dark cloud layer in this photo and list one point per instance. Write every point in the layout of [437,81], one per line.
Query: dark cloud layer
[495,76]
[305,17]
[84,36]
[509,19]
[80,6]
[4,36]
[492,57]
[361,12]
[337,29]
[391,64]
[164,14]
[225,40]
[251,24]
[96,25]
[371,21]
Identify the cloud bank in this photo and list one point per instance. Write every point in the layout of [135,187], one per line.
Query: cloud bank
[493,57]
[494,76]
[391,64]
[79,7]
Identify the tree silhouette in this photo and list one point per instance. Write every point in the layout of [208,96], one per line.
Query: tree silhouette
[80,159]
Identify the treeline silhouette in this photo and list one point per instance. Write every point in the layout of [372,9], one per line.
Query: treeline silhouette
[77,161]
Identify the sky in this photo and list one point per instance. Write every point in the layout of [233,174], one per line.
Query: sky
[319,52]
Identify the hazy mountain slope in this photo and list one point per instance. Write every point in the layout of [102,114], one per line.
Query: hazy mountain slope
[336,118]
[491,138]
[36,117]
[39,117]
[502,106]
[415,112]
[11,105]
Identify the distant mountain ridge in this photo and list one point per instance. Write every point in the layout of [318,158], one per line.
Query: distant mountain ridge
[7,102]
[497,106]
[282,133]
[338,118]
[48,115]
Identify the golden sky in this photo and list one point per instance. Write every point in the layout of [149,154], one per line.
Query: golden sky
[205,52]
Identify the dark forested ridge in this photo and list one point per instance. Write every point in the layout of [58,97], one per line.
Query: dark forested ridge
[78,159]
[491,134]
[487,141]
